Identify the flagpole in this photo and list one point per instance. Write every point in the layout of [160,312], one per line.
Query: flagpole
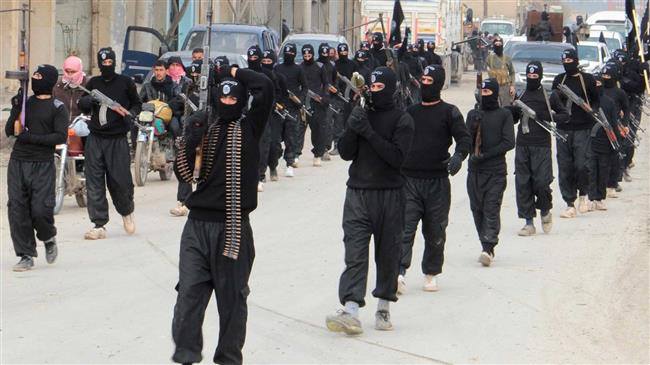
[640,46]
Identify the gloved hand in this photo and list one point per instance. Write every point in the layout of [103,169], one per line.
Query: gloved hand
[24,137]
[85,104]
[358,122]
[476,158]
[454,164]
[515,111]
[17,100]
[196,126]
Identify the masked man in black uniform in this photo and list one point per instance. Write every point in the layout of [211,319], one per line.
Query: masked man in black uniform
[426,170]
[378,51]
[217,250]
[344,67]
[317,79]
[609,75]
[31,172]
[107,162]
[493,135]
[376,141]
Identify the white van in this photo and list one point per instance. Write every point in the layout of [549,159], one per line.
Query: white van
[615,21]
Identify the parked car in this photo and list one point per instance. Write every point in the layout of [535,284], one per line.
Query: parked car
[300,39]
[615,21]
[613,39]
[549,53]
[230,40]
[595,53]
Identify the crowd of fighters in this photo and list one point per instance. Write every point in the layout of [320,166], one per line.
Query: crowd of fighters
[397,140]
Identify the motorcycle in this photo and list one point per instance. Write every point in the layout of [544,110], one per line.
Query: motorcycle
[154,149]
[69,181]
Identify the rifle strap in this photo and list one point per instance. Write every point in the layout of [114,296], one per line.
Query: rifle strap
[548,105]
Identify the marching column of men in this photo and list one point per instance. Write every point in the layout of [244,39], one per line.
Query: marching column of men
[398,177]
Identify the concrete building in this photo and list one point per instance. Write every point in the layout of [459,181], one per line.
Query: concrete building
[59,28]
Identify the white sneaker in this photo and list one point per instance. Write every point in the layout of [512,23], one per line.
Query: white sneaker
[485,259]
[401,285]
[95,234]
[583,204]
[180,210]
[611,193]
[547,223]
[317,162]
[527,230]
[289,171]
[327,157]
[592,205]
[295,162]
[129,223]
[626,176]
[260,187]
[430,283]
[569,212]
[600,205]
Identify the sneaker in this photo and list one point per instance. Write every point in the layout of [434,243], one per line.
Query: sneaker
[401,284]
[583,204]
[343,321]
[96,233]
[547,223]
[527,230]
[289,171]
[592,205]
[611,193]
[25,263]
[274,175]
[317,162]
[51,251]
[618,188]
[600,205]
[327,157]
[294,164]
[382,321]
[485,259]
[430,283]
[631,165]
[260,187]
[334,151]
[626,176]
[569,212]
[180,210]
[129,223]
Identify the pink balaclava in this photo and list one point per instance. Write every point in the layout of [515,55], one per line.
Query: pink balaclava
[176,71]
[73,63]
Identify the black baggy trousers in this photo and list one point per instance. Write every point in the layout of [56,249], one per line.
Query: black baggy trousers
[427,200]
[485,191]
[573,164]
[31,190]
[377,213]
[203,269]
[318,130]
[533,178]
[108,164]
[600,173]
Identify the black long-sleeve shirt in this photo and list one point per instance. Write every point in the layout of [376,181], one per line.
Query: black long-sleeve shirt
[208,201]
[317,77]
[580,119]
[295,77]
[376,161]
[537,135]
[46,125]
[497,138]
[122,90]
[599,140]
[619,98]
[435,126]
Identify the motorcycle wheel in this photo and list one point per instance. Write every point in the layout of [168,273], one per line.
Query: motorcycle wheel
[141,163]
[166,173]
[60,184]
[81,198]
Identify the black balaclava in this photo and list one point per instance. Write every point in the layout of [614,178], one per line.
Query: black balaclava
[622,58]
[570,68]
[498,50]
[108,72]
[269,55]
[289,53]
[323,53]
[195,68]
[361,57]
[377,41]
[544,16]
[421,46]
[254,64]
[365,46]
[599,83]
[45,85]
[431,46]
[307,48]
[610,71]
[230,87]
[534,67]
[567,33]
[383,100]
[432,92]
[490,102]
[343,47]
[220,61]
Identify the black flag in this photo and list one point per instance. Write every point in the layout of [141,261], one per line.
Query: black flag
[601,39]
[395,24]
[644,23]
[631,37]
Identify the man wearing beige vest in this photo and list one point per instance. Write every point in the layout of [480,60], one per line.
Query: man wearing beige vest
[500,68]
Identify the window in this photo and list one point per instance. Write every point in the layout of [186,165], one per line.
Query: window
[588,53]
[223,41]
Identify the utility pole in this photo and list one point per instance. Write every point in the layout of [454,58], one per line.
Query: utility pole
[485,10]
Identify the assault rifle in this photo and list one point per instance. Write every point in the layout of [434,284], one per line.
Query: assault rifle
[628,134]
[22,74]
[104,101]
[283,112]
[319,99]
[599,116]
[529,114]
[188,102]
[349,87]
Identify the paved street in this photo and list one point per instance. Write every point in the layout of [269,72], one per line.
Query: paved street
[579,294]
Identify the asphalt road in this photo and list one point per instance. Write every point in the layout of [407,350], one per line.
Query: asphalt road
[579,294]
